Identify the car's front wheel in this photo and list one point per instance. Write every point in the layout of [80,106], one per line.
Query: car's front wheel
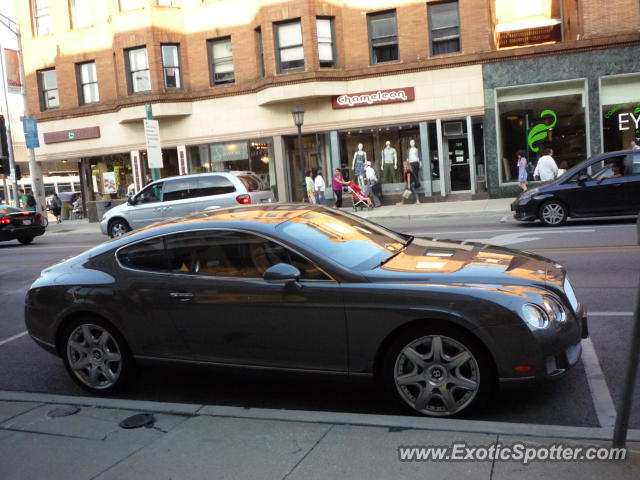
[118,228]
[96,356]
[439,372]
[553,213]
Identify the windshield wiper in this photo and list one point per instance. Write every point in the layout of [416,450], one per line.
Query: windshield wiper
[404,246]
[409,240]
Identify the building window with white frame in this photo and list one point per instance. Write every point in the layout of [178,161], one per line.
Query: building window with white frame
[131,5]
[48,83]
[138,69]
[260,51]
[221,61]
[165,3]
[444,23]
[41,17]
[81,13]
[326,42]
[289,46]
[88,82]
[383,37]
[171,66]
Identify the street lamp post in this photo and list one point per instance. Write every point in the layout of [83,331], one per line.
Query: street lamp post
[298,119]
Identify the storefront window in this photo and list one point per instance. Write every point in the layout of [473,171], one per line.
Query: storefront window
[535,124]
[620,125]
[378,152]
[312,158]
[110,177]
[254,156]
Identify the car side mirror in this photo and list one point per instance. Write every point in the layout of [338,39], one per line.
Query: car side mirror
[283,273]
[131,200]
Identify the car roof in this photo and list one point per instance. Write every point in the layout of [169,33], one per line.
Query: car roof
[233,173]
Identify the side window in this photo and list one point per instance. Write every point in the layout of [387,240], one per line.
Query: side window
[177,189]
[151,194]
[211,185]
[632,165]
[146,255]
[232,254]
[608,168]
[252,183]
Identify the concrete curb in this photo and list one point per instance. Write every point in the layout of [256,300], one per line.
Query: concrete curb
[336,418]
[409,218]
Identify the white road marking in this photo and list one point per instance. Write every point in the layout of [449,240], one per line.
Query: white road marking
[609,314]
[520,237]
[602,401]
[521,230]
[11,339]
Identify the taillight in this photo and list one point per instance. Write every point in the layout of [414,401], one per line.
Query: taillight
[5,220]
[26,213]
[243,199]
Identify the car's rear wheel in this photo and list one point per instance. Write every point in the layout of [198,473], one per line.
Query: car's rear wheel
[25,240]
[553,213]
[118,228]
[96,356]
[439,371]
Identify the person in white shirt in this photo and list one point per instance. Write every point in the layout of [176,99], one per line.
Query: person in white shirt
[546,168]
[372,180]
[320,186]
[635,144]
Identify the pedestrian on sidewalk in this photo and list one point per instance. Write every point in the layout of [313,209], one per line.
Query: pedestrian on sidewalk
[320,187]
[372,184]
[56,207]
[546,168]
[23,198]
[635,144]
[310,186]
[522,170]
[410,184]
[31,202]
[336,185]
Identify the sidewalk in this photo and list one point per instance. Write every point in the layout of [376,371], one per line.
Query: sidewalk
[497,206]
[209,442]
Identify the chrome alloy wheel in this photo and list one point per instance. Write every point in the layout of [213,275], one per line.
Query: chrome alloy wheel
[437,375]
[553,213]
[94,356]
[118,229]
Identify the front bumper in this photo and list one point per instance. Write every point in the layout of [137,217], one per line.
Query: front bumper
[103,227]
[526,213]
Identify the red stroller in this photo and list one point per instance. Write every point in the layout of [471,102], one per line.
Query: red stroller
[360,200]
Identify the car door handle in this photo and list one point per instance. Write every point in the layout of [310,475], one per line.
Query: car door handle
[181,295]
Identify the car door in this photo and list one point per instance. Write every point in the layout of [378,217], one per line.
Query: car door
[177,198]
[147,207]
[631,183]
[227,313]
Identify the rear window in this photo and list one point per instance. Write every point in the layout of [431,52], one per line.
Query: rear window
[211,185]
[252,183]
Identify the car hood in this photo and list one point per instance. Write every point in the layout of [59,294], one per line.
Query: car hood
[452,261]
[117,209]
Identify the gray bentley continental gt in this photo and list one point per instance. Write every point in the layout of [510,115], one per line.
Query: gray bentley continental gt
[306,288]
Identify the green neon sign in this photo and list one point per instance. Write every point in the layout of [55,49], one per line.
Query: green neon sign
[540,131]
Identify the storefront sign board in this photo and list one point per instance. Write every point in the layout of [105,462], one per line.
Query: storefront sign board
[154,150]
[136,167]
[376,97]
[183,167]
[71,135]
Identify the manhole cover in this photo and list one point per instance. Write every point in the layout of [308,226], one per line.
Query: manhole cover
[138,420]
[63,412]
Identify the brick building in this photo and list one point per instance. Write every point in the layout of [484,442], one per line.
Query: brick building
[465,80]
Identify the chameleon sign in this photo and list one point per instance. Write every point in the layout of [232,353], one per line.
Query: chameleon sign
[540,131]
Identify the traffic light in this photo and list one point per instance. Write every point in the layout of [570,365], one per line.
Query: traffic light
[4,149]
[4,166]
[18,172]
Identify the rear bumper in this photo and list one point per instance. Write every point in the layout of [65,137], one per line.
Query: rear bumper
[11,233]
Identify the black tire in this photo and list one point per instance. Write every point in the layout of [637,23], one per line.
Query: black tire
[111,375]
[441,378]
[553,213]
[25,240]
[118,227]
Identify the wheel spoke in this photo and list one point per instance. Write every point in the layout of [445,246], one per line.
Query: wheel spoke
[458,360]
[463,382]
[410,379]
[93,375]
[423,398]
[86,333]
[112,357]
[435,355]
[448,400]
[104,338]
[78,347]
[81,363]
[414,357]
[108,374]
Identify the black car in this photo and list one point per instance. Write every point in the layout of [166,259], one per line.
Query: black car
[604,185]
[306,288]
[16,224]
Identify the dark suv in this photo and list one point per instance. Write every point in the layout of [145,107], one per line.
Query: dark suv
[604,185]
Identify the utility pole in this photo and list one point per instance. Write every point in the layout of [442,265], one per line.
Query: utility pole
[155,172]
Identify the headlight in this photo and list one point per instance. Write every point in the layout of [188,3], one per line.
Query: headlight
[554,309]
[535,316]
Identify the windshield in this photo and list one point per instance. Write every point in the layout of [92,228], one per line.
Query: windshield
[345,239]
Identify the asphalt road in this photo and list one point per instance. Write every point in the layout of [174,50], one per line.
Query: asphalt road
[602,258]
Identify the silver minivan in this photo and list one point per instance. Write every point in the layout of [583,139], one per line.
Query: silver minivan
[179,196]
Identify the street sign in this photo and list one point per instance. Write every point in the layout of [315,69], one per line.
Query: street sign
[30,127]
[154,151]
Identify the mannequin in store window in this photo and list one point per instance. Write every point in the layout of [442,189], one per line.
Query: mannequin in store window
[413,157]
[357,165]
[389,163]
